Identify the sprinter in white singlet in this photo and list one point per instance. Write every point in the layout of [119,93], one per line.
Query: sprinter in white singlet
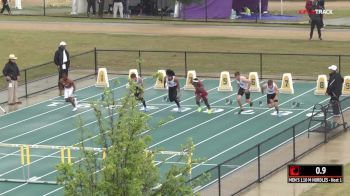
[243,88]
[271,95]
[173,87]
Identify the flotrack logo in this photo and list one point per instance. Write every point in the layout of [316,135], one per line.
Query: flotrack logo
[316,11]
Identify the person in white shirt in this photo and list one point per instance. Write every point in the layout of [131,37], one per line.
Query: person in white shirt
[69,89]
[62,62]
[271,95]
[243,89]
[173,87]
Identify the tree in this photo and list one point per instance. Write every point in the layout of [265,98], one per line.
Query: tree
[124,166]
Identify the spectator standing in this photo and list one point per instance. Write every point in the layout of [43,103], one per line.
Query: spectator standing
[315,19]
[315,22]
[91,4]
[12,74]
[334,88]
[321,6]
[308,7]
[62,62]
[101,5]
[5,5]
[117,6]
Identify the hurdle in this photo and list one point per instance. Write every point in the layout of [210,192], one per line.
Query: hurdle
[321,85]
[102,78]
[255,83]
[160,75]
[190,76]
[346,86]
[3,110]
[225,81]
[27,151]
[287,84]
[65,156]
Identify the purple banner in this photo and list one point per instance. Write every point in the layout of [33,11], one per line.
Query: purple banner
[215,9]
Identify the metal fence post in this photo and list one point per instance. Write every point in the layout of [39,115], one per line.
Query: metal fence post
[219,179]
[259,166]
[185,64]
[161,9]
[261,66]
[140,63]
[95,58]
[25,83]
[339,63]
[44,7]
[293,143]
[206,10]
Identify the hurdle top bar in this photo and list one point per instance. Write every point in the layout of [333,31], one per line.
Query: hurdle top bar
[35,146]
[52,147]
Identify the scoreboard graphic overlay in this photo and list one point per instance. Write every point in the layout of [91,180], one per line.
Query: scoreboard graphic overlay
[315,173]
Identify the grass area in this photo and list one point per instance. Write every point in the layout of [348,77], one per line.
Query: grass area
[36,48]
[332,189]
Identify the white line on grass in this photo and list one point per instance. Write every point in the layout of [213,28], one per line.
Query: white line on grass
[185,163]
[14,188]
[230,106]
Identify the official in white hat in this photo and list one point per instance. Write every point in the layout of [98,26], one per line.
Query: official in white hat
[334,88]
[62,62]
[12,74]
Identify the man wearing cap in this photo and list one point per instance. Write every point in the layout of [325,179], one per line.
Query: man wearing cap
[11,73]
[334,88]
[62,62]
